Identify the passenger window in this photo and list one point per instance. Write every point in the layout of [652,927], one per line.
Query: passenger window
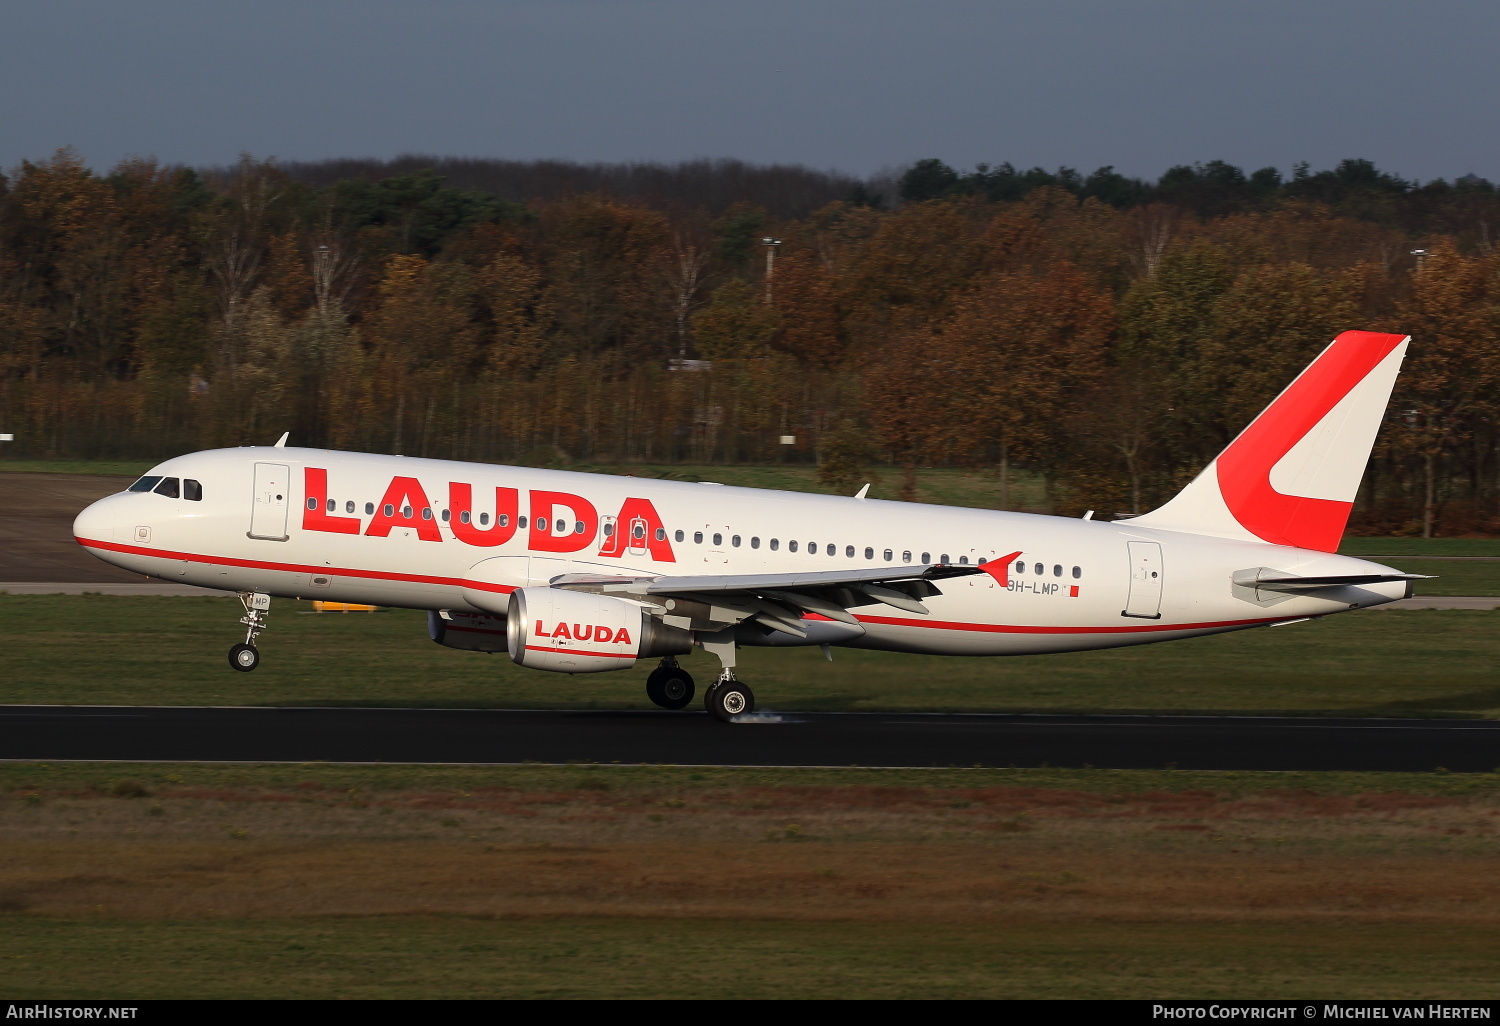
[775,544]
[370,509]
[718,540]
[145,484]
[927,557]
[661,534]
[503,519]
[697,537]
[312,503]
[982,561]
[578,527]
[678,536]
[735,541]
[791,546]
[639,531]
[405,512]
[889,556]
[848,551]
[389,510]
[833,550]
[193,491]
[333,505]
[963,560]
[943,558]
[463,517]
[348,506]
[426,512]
[870,553]
[1057,570]
[446,516]
[812,548]
[906,557]
[1020,567]
[1077,572]
[520,521]
[484,518]
[1038,569]
[754,542]
[609,530]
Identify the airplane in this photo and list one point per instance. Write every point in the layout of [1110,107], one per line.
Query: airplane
[582,573]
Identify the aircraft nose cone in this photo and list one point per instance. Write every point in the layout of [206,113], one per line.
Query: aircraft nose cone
[96,522]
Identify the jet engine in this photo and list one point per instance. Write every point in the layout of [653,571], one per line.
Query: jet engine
[576,632]
[472,632]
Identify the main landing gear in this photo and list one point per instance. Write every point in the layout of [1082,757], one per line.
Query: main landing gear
[727,697]
[245,657]
[670,686]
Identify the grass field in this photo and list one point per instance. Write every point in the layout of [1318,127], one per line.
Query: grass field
[589,881]
[93,649]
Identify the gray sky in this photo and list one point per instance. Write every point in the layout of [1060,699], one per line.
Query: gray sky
[853,85]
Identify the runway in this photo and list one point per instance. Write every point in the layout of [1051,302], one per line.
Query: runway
[171,734]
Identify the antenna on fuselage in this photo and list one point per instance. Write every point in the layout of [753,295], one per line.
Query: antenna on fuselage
[281,442]
[862,492]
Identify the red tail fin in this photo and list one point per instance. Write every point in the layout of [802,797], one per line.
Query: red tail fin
[1290,477]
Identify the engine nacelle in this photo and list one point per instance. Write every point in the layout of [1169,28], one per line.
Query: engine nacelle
[472,632]
[575,632]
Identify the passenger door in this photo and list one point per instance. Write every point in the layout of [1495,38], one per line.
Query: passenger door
[1145,581]
[268,514]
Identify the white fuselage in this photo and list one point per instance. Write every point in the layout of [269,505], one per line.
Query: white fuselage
[1069,584]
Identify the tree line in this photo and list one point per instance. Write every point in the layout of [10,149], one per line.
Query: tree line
[1108,337]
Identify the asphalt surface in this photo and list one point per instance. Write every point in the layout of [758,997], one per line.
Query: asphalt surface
[170,734]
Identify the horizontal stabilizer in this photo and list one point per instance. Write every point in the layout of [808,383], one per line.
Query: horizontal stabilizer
[1274,580]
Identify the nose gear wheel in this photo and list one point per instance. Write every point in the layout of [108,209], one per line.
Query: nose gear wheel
[244,658]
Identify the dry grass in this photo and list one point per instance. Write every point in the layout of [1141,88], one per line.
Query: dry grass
[864,853]
[318,881]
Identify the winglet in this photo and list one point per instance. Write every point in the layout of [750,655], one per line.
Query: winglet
[862,492]
[281,442]
[999,569]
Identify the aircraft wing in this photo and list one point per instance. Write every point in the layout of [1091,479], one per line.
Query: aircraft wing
[777,601]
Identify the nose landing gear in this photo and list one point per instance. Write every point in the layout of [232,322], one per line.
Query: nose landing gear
[245,657]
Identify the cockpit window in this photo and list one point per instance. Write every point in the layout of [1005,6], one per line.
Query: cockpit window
[168,487]
[145,484]
[194,491]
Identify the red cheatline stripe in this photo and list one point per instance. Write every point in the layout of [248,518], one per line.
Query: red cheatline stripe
[579,651]
[1000,628]
[258,564]
[458,582]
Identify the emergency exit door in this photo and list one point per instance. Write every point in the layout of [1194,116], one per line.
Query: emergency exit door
[1145,581]
[268,514]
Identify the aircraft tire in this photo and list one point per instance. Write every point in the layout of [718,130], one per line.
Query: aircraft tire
[670,687]
[244,658]
[729,699]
